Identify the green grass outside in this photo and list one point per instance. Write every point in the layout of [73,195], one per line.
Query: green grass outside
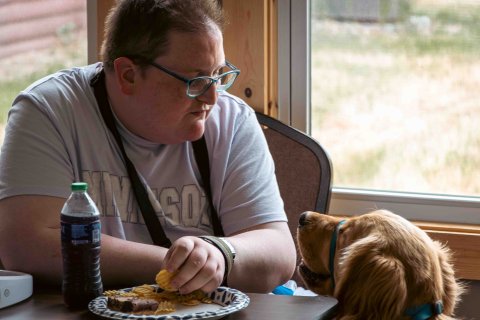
[396,105]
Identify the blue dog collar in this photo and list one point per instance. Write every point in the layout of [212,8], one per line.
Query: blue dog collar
[425,311]
[333,248]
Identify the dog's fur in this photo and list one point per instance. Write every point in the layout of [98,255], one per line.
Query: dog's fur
[383,265]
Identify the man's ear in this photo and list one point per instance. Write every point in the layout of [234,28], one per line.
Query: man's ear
[125,74]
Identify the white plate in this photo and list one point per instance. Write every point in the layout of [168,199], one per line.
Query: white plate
[225,301]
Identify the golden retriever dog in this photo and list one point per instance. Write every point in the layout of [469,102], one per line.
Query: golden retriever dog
[378,266]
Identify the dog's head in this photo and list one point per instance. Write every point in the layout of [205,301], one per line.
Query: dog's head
[376,264]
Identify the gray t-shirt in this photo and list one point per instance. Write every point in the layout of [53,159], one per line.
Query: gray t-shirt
[55,135]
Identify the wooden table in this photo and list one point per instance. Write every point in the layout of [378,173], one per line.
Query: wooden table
[48,304]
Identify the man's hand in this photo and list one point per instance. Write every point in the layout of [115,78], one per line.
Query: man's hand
[199,265]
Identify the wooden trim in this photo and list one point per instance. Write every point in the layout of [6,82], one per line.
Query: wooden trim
[448,227]
[250,41]
[246,43]
[272,57]
[103,7]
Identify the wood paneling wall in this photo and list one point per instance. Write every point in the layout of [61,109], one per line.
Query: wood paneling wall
[250,44]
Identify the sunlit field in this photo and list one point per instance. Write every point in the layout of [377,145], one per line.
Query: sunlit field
[396,105]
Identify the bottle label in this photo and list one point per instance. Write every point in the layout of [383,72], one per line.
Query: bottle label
[76,234]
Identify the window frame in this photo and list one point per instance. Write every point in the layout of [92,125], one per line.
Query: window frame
[93,15]
[294,101]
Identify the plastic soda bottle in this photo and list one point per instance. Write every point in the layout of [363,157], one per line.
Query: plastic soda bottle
[80,235]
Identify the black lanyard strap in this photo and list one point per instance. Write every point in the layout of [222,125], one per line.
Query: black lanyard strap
[149,215]
[201,156]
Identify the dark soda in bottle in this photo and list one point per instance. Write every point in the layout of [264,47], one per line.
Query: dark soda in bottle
[80,234]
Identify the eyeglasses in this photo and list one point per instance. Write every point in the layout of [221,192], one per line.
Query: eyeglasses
[199,85]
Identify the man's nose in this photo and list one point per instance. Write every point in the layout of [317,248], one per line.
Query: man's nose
[210,96]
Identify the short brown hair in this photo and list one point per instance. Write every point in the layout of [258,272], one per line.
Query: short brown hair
[140,28]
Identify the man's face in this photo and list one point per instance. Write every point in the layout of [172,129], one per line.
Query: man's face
[161,111]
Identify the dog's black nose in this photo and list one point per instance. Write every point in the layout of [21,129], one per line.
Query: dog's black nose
[302,220]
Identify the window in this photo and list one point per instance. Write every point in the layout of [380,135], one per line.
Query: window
[36,39]
[390,93]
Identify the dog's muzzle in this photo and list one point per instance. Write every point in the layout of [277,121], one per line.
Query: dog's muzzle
[310,276]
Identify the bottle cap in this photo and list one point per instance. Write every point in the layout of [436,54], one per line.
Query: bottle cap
[79,186]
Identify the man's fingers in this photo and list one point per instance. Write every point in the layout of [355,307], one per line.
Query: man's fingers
[207,279]
[191,267]
[178,254]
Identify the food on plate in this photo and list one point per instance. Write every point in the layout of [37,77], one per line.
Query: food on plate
[153,300]
[131,304]
[165,307]
[163,279]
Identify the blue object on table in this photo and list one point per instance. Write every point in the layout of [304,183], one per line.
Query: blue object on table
[287,289]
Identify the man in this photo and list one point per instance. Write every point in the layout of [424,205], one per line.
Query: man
[165,79]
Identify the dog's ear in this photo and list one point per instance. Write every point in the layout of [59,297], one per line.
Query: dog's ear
[370,281]
[452,290]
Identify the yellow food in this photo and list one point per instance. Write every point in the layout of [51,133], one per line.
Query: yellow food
[163,279]
[165,307]
[167,298]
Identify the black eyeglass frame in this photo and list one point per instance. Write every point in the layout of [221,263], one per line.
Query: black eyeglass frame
[235,72]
